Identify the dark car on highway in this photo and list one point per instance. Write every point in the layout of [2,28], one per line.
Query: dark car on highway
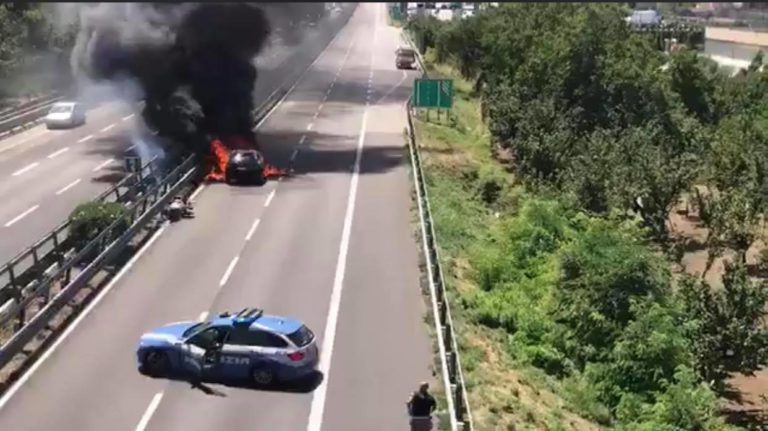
[406,58]
[246,166]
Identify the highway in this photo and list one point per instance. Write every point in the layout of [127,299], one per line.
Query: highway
[44,173]
[332,245]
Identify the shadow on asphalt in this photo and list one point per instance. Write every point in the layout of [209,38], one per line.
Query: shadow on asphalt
[212,388]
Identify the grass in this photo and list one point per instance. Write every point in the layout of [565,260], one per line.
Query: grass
[460,169]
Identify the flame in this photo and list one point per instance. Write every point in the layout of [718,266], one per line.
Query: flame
[219,157]
[217,161]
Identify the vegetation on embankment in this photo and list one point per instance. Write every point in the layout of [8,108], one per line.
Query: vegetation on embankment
[569,314]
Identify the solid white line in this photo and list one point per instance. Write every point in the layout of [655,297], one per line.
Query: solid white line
[318,397]
[310,125]
[21,216]
[269,197]
[303,138]
[252,229]
[25,169]
[299,79]
[48,352]
[107,129]
[197,192]
[87,138]
[61,151]
[228,272]
[128,117]
[103,165]
[68,186]
[149,412]
[203,316]
[294,154]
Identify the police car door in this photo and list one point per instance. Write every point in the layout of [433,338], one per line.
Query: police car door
[194,349]
[235,360]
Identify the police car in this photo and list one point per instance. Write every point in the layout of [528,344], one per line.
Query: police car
[248,345]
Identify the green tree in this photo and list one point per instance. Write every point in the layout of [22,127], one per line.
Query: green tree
[726,327]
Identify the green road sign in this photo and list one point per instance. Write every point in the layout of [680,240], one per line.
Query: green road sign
[433,93]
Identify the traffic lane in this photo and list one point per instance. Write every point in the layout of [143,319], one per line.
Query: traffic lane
[168,265]
[381,340]
[20,150]
[90,382]
[381,311]
[287,268]
[154,270]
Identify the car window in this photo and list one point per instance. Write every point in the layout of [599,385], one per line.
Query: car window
[61,109]
[301,337]
[208,337]
[256,338]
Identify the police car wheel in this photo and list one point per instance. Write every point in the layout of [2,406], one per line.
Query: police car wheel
[262,376]
[156,362]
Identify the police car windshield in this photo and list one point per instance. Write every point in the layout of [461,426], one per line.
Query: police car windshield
[301,337]
[195,328]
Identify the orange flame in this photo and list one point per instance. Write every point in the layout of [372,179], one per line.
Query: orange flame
[217,161]
[219,158]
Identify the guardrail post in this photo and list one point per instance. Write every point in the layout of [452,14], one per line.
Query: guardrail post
[11,276]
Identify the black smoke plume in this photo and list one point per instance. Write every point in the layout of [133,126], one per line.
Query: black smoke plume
[192,62]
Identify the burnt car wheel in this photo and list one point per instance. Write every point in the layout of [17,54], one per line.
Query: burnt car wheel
[156,363]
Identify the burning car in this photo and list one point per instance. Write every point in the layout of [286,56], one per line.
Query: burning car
[245,166]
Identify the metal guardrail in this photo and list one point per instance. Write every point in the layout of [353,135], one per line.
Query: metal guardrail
[18,118]
[108,244]
[453,377]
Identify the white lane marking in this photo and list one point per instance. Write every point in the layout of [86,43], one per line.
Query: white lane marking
[48,352]
[87,138]
[130,148]
[322,105]
[228,272]
[128,117]
[301,141]
[310,125]
[21,216]
[269,198]
[295,83]
[56,153]
[108,128]
[23,141]
[197,192]
[314,117]
[26,168]
[318,397]
[294,154]
[103,165]
[68,186]
[149,412]
[203,316]
[252,229]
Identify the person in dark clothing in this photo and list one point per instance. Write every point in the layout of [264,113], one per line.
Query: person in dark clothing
[421,405]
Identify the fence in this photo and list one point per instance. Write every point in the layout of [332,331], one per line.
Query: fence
[453,377]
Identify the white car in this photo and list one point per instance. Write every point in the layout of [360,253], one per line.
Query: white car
[65,115]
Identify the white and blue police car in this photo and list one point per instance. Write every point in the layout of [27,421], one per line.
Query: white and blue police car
[247,345]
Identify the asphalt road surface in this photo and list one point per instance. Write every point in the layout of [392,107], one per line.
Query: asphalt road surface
[44,173]
[331,245]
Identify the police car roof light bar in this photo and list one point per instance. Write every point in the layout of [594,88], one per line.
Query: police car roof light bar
[248,315]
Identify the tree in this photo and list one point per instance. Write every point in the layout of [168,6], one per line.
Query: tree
[602,275]
[726,327]
[90,219]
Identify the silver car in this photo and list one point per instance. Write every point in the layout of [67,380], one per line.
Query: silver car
[65,115]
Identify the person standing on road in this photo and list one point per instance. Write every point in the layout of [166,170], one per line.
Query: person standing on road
[421,405]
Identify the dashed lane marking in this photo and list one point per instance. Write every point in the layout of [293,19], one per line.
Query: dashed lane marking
[21,216]
[68,186]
